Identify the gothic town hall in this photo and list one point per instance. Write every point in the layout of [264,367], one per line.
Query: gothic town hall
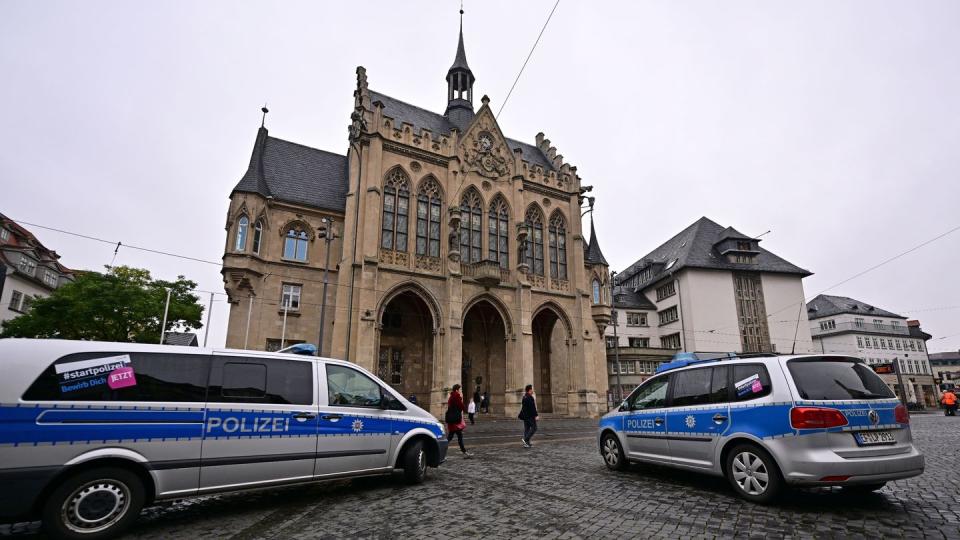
[451,254]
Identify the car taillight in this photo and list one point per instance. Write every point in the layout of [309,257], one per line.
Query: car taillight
[816,418]
[901,415]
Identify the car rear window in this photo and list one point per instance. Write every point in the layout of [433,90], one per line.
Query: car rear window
[836,379]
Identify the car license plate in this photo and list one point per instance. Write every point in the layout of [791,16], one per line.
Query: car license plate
[867,438]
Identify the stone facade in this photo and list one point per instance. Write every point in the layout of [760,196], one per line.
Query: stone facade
[459,256]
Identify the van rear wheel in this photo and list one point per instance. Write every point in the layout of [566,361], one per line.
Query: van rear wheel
[415,463]
[753,473]
[93,504]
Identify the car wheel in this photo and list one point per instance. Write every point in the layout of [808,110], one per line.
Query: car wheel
[94,504]
[753,473]
[864,488]
[612,453]
[415,463]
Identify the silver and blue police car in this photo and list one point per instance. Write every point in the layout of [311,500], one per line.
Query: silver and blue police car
[91,432]
[766,422]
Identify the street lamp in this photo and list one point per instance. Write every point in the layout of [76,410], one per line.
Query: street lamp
[328,234]
[616,344]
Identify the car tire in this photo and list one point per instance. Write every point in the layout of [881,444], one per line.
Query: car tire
[415,463]
[753,473]
[864,488]
[93,504]
[612,452]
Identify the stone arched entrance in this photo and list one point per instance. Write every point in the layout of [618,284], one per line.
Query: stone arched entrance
[484,360]
[550,359]
[406,345]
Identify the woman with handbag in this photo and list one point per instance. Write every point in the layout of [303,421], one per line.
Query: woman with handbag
[454,419]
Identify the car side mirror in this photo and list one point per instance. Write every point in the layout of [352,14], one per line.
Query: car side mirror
[624,407]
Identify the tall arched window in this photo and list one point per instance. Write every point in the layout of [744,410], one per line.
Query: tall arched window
[428,218]
[295,244]
[534,220]
[498,229]
[558,246]
[396,209]
[241,242]
[596,291]
[471,226]
[257,236]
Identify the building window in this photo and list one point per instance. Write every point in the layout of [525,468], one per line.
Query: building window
[241,242]
[866,342]
[499,232]
[611,342]
[636,319]
[668,315]
[829,324]
[913,346]
[49,278]
[4,234]
[596,291]
[858,322]
[895,325]
[396,211]
[534,221]
[290,298]
[670,342]
[390,365]
[27,303]
[878,324]
[471,227]
[257,236]
[743,246]
[876,345]
[27,265]
[558,246]
[890,344]
[743,258]
[428,218]
[640,342]
[898,345]
[15,299]
[920,346]
[859,342]
[295,245]
[751,312]
[666,290]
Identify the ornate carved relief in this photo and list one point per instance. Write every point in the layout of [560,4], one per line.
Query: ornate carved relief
[537,281]
[484,151]
[424,262]
[395,258]
[560,285]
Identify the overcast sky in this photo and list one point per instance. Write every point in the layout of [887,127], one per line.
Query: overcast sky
[833,124]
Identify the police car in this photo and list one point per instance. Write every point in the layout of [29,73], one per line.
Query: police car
[766,422]
[91,432]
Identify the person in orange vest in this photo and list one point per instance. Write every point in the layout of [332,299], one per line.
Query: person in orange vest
[949,401]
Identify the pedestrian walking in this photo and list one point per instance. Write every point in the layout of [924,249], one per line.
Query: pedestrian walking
[529,415]
[476,396]
[949,400]
[472,410]
[485,403]
[454,419]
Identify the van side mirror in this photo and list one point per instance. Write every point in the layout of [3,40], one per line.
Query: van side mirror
[624,406]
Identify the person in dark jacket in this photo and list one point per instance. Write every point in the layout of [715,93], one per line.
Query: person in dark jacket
[454,419]
[529,415]
[485,403]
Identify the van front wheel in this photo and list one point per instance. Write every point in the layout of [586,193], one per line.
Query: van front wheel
[415,463]
[94,504]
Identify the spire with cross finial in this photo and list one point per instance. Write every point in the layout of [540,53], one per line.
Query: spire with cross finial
[264,110]
[460,81]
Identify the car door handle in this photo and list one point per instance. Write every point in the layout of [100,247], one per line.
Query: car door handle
[303,416]
[332,417]
[658,421]
[719,418]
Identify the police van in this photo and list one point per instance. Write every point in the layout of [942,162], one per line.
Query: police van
[766,422]
[91,432]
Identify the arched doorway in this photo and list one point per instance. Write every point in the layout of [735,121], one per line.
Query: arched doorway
[484,360]
[549,360]
[405,356]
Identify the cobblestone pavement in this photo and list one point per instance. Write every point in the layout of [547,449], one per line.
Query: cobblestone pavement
[560,489]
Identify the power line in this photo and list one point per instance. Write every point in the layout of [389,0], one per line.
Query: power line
[504,104]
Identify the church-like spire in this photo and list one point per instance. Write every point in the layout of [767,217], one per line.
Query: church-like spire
[460,87]
[593,254]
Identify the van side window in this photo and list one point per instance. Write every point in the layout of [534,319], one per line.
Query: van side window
[750,381]
[720,387]
[123,376]
[691,387]
[348,387]
[235,379]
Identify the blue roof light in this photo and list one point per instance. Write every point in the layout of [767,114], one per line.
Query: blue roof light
[306,349]
[684,359]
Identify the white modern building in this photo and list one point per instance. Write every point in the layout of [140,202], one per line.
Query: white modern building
[29,269]
[848,326]
[946,369]
[710,288]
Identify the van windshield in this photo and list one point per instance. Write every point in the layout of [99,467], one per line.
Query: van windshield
[837,379]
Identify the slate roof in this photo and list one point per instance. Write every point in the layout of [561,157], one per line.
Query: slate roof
[625,298]
[592,253]
[827,306]
[438,124]
[187,339]
[693,247]
[917,332]
[460,62]
[296,173]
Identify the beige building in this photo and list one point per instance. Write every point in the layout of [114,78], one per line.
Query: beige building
[459,255]
[28,270]
[710,288]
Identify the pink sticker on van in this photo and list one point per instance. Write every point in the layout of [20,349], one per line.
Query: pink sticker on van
[121,378]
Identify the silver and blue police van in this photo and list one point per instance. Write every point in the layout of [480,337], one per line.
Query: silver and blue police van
[91,432]
[766,422]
